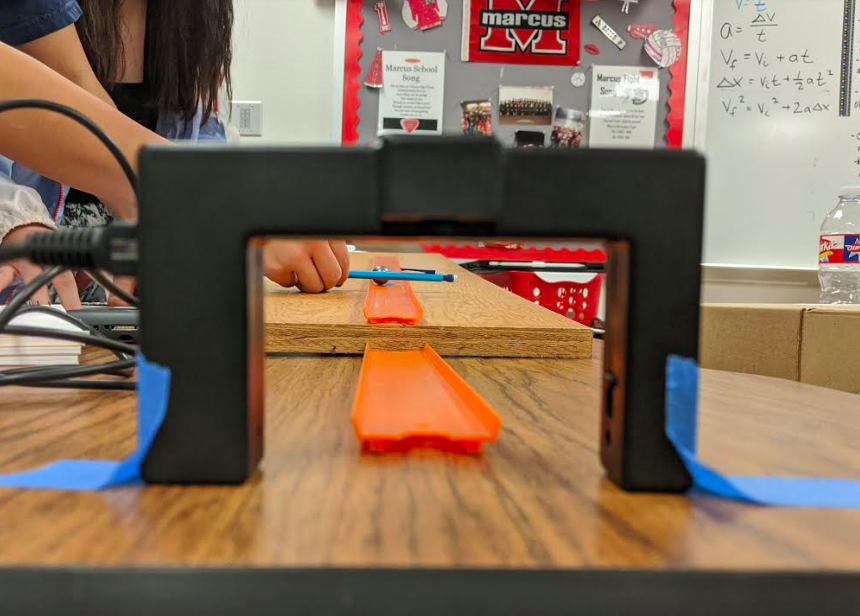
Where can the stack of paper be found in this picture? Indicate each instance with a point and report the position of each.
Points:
(31, 351)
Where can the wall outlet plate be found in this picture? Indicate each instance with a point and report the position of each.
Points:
(248, 118)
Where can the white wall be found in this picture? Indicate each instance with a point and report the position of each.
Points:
(759, 285)
(283, 57)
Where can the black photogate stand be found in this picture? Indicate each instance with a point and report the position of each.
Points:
(202, 208)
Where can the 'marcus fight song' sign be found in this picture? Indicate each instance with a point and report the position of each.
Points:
(521, 31)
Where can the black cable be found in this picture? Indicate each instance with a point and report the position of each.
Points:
(109, 284)
(56, 373)
(53, 373)
(15, 251)
(26, 292)
(50, 376)
(113, 248)
(84, 121)
(34, 375)
(38, 332)
(37, 370)
(74, 321)
(97, 385)
(14, 307)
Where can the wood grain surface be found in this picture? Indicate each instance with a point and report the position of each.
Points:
(537, 498)
(470, 317)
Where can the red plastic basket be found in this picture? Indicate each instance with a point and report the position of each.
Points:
(525, 253)
(575, 300)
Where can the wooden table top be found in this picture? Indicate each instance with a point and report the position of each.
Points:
(537, 498)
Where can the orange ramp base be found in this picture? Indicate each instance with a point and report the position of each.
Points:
(408, 399)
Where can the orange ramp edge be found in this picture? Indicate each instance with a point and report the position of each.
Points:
(409, 399)
(394, 302)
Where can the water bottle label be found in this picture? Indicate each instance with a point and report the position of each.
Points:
(839, 249)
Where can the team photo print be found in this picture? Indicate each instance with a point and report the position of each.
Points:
(477, 117)
(525, 105)
(567, 128)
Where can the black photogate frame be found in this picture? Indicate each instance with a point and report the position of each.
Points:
(204, 212)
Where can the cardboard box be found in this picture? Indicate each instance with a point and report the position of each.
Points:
(830, 349)
(814, 344)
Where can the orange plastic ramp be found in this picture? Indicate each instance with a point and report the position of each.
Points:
(409, 399)
(394, 302)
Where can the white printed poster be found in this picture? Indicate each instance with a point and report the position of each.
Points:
(624, 102)
(412, 96)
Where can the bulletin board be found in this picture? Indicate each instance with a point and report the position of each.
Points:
(474, 80)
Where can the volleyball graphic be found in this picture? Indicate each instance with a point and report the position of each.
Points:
(664, 47)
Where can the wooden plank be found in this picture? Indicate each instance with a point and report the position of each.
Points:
(537, 498)
(470, 317)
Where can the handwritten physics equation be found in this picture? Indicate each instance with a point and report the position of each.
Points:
(769, 70)
(764, 71)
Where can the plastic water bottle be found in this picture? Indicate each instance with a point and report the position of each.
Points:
(839, 251)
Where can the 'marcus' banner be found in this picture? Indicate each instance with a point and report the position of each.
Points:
(521, 31)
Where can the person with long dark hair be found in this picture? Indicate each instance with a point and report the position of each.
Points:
(163, 64)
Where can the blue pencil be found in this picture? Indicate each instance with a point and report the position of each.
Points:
(412, 277)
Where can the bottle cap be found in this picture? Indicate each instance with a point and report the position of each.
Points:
(849, 191)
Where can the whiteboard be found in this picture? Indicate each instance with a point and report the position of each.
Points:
(778, 149)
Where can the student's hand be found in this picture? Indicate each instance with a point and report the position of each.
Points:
(127, 284)
(64, 284)
(312, 266)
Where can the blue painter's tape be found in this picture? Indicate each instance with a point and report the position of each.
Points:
(682, 390)
(153, 390)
